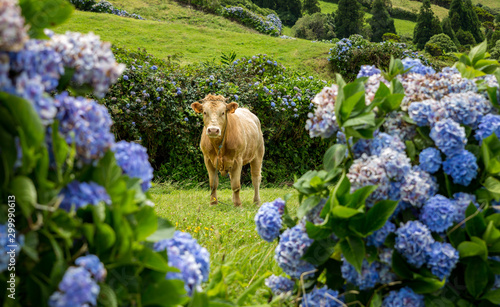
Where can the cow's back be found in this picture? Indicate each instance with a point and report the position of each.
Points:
(250, 133)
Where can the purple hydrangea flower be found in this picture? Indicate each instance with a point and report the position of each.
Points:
(448, 136)
(417, 187)
(442, 259)
(413, 240)
(322, 297)
(268, 222)
(396, 163)
(77, 288)
(85, 123)
(368, 277)
(488, 125)
(293, 244)
(13, 31)
(133, 160)
(92, 264)
(377, 239)
(404, 297)
(367, 71)
(430, 160)
(438, 213)
(190, 271)
(323, 122)
(81, 194)
(7, 246)
(462, 201)
(466, 108)
(279, 284)
(369, 170)
(383, 140)
(461, 166)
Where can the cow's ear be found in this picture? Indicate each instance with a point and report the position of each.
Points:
(197, 107)
(231, 107)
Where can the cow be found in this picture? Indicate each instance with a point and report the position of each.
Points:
(239, 132)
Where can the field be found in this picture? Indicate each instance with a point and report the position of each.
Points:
(226, 231)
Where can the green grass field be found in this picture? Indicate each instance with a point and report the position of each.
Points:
(227, 232)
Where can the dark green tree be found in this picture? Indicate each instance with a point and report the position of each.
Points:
(463, 16)
(311, 6)
(427, 26)
(448, 29)
(381, 22)
(348, 18)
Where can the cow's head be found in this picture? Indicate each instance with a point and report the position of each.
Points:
(214, 109)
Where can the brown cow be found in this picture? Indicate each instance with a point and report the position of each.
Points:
(243, 144)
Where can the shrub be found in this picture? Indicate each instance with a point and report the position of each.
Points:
(102, 6)
(153, 106)
(399, 13)
(398, 201)
(391, 37)
(495, 51)
(314, 27)
(268, 25)
(483, 15)
(433, 49)
(444, 43)
(427, 25)
(347, 56)
(380, 22)
(465, 38)
(348, 18)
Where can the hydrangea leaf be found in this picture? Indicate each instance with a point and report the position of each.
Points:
(492, 296)
(165, 230)
(25, 192)
(491, 234)
(145, 223)
(358, 198)
(495, 218)
(166, 292)
(107, 297)
(42, 14)
(475, 277)
(307, 205)
(400, 267)
(105, 237)
(365, 120)
(423, 285)
(320, 251)
(377, 216)
(153, 260)
(334, 156)
(476, 225)
(470, 249)
(353, 250)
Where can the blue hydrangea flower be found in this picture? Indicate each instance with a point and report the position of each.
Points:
(427, 112)
(438, 213)
(404, 297)
(92, 264)
(313, 215)
(81, 194)
(417, 67)
(190, 271)
(279, 284)
(370, 170)
(90, 123)
(448, 136)
(385, 255)
(396, 163)
(417, 187)
(293, 244)
(377, 239)
(488, 125)
(367, 71)
(396, 125)
(133, 160)
(383, 140)
(322, 297)
(466, 108)
(14, 32)
(268, 222)
(386, 274)
(442, 259)
(462, 201)
(361, 147)
(430, 160)
(368, 277)
(461, 166)
(77, 288)
(7, 246)
(413, 240)
(185, 244)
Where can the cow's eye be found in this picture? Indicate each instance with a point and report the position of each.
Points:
(205, 113)
(222, 113)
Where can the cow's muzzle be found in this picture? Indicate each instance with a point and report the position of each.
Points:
(213, 132)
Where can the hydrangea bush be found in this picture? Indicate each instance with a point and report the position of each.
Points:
(271, 24)
(406, 204)
(102, 6)
(80, 228)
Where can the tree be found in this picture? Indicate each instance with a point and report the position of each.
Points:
(427, 26)
(314, 27)
(348, 18)
(448, 30)
(311, 6)
(381, 22)
(463, 16)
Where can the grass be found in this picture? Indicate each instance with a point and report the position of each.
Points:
(227, 232)
(414, 6)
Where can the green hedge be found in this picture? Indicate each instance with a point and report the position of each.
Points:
(152, 104)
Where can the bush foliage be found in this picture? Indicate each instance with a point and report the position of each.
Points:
(444, 42)
(315, 27)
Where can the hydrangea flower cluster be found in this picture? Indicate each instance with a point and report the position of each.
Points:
(415, 66)
(324, 122)
(368, 277)
(462, 201)
(322, 297)
(442, 259)
(430, 160)
(269, 25)
(368, 70)
(7, 247)
(12, 30)
(268, 221)
(413, 240)
(488, 125)
(133, 160)
(189, 257)
(438, 213)
(403, 297)
(279, 284)
(377, 239)
(80, 194)
(396, 125)
(462, 167)
(79, 284)
(293, 245)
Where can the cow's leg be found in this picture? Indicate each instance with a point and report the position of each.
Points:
(235, 183)
(256, 166)
(213, 179)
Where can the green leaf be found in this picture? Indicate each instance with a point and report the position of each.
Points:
(154, 261)
(492, 184)
(424, 285)
(363, 119)
(146, 223)
(376, 301)
(495, 218)
(25, 192)
(334, 156)
(470, 249)
(344, 212)
(491, 234)
(477, 53)
(353, 250)
(400, 267)
(354, 96)
(358, 198)
(475, 226)
(164, 230)
(42, 14)
(105, 237)
(476, 277)
(307, 205)
(107, 296)
(252, 289)
(320, 251)
(166, 292)
(377, 216)
(492, 296)
(410, 150)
